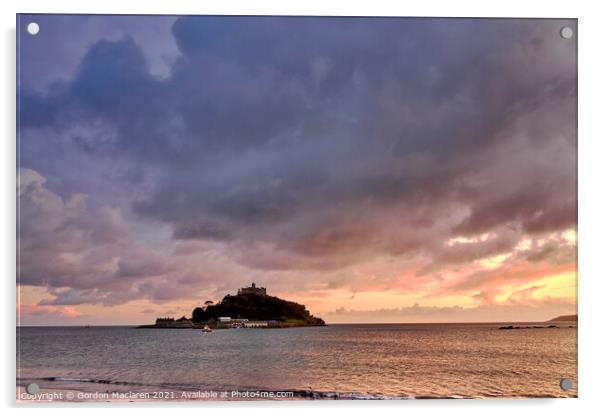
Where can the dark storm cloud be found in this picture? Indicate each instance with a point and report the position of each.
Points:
(327, 141)
(64, 39)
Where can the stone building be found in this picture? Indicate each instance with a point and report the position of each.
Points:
(252, 290)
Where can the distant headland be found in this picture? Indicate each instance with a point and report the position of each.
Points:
(564, 318)
(251, 307)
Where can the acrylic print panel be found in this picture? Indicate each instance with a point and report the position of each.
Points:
(275, 208)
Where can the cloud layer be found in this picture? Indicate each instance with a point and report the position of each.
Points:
(299, 149)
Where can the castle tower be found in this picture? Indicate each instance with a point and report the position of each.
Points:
(252, 290)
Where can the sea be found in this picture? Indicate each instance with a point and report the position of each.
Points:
(353, 361)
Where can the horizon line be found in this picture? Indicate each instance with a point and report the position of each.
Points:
(333, 323)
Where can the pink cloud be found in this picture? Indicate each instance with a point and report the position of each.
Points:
(32, 310)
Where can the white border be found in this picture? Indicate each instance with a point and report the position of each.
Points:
(590, 175)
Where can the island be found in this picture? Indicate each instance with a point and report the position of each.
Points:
(251, 307)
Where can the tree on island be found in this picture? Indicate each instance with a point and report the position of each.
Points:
(198, 315)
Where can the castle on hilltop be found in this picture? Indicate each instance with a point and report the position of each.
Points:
(252, 290)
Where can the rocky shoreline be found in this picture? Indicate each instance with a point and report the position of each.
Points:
(532, 327)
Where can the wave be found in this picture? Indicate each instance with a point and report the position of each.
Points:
(334, 395)
(97, 381)
(296, 393)
(91, 380)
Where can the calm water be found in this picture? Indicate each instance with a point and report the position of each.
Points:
(401, 360)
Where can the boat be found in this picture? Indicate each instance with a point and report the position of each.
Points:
(207, 329)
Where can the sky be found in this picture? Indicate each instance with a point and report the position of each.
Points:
(373, 169)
